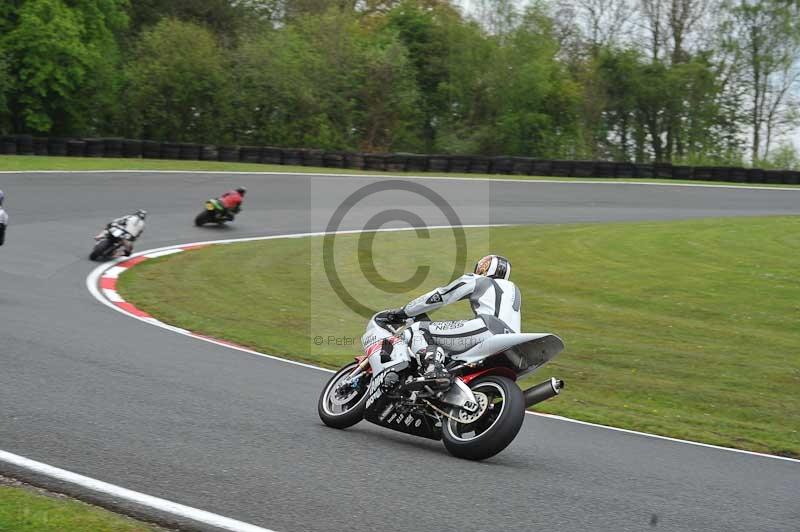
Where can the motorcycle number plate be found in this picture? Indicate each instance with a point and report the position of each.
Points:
(210, 206)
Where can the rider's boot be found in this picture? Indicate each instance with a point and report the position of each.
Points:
(432, 359)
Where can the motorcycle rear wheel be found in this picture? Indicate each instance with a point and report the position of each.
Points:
(503, 411)
(203, 218)
(345, 410)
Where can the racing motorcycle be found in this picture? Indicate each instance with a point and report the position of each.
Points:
(477, 409)
(214, 213)
(109, 242)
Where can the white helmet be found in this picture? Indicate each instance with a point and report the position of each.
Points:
(493, 266)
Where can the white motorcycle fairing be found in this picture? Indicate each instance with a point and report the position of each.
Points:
(525, 351)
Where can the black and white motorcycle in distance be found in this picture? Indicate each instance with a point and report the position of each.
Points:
(477, 413)
(109, 242)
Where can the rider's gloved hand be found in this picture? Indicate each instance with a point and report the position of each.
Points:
(394, 315)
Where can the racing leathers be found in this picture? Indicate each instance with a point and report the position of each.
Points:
(495, 303)
(231, 201)
(133, 225)
(3, 225)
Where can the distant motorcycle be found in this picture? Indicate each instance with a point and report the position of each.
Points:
(214, 213)
(109, 242)
(477, 411)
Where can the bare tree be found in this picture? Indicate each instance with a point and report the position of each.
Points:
(682, 18)
(604, 22)
(765, 38)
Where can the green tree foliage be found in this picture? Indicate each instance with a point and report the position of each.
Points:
(224, 17)
(177, 84)
(534, 102)
(672, 82)
(426, 36)
(61, 56)
(659, 111)
(322, 81)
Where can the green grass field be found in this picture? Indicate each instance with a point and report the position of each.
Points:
(18, 163)
(23, 509)
(688, 329)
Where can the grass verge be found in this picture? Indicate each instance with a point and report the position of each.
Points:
(24, 508)
(20, 163)
(687, 329)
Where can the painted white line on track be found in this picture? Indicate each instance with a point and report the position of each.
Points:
(102, 271)
(149, 501)
(571, 181)
(659, 437)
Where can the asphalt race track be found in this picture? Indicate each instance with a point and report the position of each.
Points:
(89, 390)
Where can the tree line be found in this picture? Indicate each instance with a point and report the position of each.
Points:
(686, 81)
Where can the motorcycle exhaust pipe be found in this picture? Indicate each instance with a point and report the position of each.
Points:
(543, 392)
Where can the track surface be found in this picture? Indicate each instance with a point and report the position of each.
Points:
(94, 392)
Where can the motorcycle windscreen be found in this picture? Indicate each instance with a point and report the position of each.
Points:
(525, 351)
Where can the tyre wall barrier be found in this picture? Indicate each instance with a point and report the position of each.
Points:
(76, 148)
(209, 152)
(269, 155)
(151, 149)
(333, 160)
(190, 152)
(249, 154)
(439, 163)
(387, 162)
(229, 154)
(8, 145)
(502, 165)
(131, 148)
(95, 148)
(292, 157)
(170, 150)
(354, 161)
(24, 145)
(313, 158)
(57, 146)
(40, 146)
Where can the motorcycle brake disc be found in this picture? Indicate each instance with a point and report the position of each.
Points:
(341, 397)
(471, 417)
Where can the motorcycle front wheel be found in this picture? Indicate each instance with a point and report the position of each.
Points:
(340, 404)
(501, 411)
(102, 249)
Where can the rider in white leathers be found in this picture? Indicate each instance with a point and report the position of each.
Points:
(495, 301)
(3, 219)
(133, 225)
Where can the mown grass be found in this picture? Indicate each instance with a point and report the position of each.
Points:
(24, 510)
(20, 163)
(688, 329)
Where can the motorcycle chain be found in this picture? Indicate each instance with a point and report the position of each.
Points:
(442, 412)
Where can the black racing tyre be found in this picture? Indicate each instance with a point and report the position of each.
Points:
(203, 218)
(345, 409)
(499, 418)
(101, 249)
